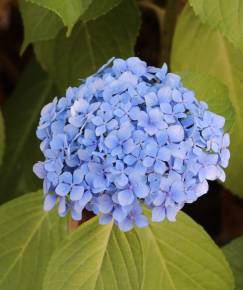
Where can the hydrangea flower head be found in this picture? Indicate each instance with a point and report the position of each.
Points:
(129, 135)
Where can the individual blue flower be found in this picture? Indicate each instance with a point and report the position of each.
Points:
(151, 121)
(71, 183)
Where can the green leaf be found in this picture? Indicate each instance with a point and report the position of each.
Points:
(28, 238)
(90, 45)
(2, 138)
(98, 8)
(233, 252)
(39, 23)
(68, 10)
(224, 15)
(96, 257)
(213, 92)
(181, 256)
(197, 47)
(22, 112)
(174, 256)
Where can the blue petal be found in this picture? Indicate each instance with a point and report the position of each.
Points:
(126, 225)
(158, 214)
(97, 120)
(76, 192)
(39, 170)
(87, 196)
(105, 204)
(62, 208)
(76, 215)
(78, 176)
(105, 219)
(171, 212)
(141, 221)
(63, 189)
(111, 140)
(125, 197)
(119, 214)
(160, 167)
(50, 201)
(122, 180)
(148, 161)
(151, 99)
(66, 177)
(175, 133)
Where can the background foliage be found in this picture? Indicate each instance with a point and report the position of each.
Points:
(68, 40)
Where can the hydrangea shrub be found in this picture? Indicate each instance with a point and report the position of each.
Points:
(130, 135)
(122, 148)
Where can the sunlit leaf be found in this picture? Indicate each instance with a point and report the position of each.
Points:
(96, 257)
(28, 237)
(233, 252)
(181, 256)
(213, 92)
(224, 15)
(197, 47)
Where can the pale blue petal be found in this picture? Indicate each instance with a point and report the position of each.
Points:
(76, 192)
(63, 189)
(50, 201)
(158, 214)
(105, 219)
(126, 225)
(141, 221)
(148, 161)
(78, 176)
(105, 204)
(125, 197)
(175, 133)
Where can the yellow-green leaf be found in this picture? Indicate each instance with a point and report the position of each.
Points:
(211, 91)
(234, 254)
(28, 237)
(96, 257)
(197, 47)
(224, 15)
(181, 256)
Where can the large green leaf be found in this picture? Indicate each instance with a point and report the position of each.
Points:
(96, 257)
(225, 15)
(197, 47)
(21, 113)
(2, 138)
(234, 254)
(181, 256)
(174, 256)
(42, 24)
(213, 92)
(90, 45)
(68, 10)
(39, 23)
(28, 237)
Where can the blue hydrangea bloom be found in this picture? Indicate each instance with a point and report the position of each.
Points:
(129, 135)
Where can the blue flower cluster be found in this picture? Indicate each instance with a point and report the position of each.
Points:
(131, 134)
